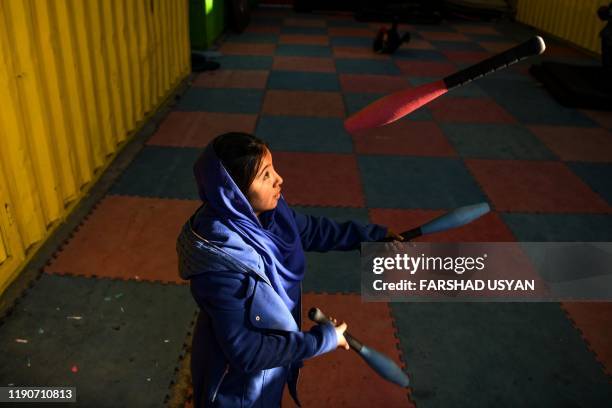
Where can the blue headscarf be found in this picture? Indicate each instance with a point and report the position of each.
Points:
(270, 243)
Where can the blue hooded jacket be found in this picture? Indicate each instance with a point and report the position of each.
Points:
(245, 273)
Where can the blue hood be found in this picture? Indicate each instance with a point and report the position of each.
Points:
(225, 230)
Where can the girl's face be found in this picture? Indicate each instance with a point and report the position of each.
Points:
(265, 189)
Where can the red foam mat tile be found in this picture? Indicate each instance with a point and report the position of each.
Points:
(426, 68)
(127, 238)
(308, 64)
(269, 29)
(196, 129)
(404, 137)
(604, 118)
(244, 79)
(351, 32)
(320, 179)
(382, 84)
(235, 48)
(466, 56)
(341, 51)
(341, 378)
(303, 39)
(594, 320)
(304, 22)
(418, 44)
(303, 103)
(534, 186)
(469, 110)
(576, 143)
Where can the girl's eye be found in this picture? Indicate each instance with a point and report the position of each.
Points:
(266, 175)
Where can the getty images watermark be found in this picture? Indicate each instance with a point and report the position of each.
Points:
(505, 271)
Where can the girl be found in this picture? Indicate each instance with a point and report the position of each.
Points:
(243, 252)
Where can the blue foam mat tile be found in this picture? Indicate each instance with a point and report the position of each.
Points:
(304, 30)
(125, 345)
(417, 182)
(163, 172)
(221, 100)
(597, 175)
(307, 81)
(249, 37)
(493, 141)
(366, 66)
(346, 23)
(266, 20)
(304, 134)
(487, 38)
(303, 50)
(354, 102)
(471, 90)
(250, 62)
(332, 272)
(530, 103)
(497, 354)
(560, 227)
(351, 41)
(419, 55)
(437, 28)
(456, 45)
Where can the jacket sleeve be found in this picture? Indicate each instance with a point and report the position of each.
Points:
(323, 234)
(224, 297)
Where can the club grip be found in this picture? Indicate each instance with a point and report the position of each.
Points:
(533, 46)
(316, 315)
(408, 235)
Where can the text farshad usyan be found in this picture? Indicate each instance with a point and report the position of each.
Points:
(455, 284)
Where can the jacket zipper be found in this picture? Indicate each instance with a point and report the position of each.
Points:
(219, 384)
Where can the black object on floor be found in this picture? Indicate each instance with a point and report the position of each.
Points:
(576, 86)
(199, 63)
(389, 40)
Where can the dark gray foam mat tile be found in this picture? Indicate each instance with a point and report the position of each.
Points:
(125, 346)
(332, 272)
(560, 227)
(161, 172)
(497, 354)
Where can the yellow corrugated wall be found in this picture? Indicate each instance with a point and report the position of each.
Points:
(77, 79)
(573, 20)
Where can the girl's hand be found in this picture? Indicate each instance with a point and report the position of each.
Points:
(340, 333)
(394, 235)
